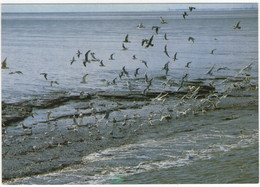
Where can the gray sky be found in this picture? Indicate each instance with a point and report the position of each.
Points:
(113, 7)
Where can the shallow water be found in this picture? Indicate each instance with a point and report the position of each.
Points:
(135, 145)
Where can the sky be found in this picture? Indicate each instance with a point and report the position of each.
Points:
(108, 7)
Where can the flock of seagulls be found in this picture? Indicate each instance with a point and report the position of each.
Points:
(90, 56)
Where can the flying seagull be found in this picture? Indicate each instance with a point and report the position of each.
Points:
(144, 62)
(124, 48)
(165, 37)
(212, 52)
(191, 39)
(184, 15)
(78, 53)
(191, 8)
(126, 39)
(187, 65)
(175, 57)
(156, 29)
(139, 26)
(166, 67)
(144, 41)
(136, 71)
(16, 72)
(124, 71)
(162, 21)
(165, 51)
(54, 82)
(45, 75)
(84, 78)
(209, 72)
(134, 57)
(4, 64)
(86, 58)
(101, 64)
(111, 56)
(150, 42)
(73, 60)
(237, 26)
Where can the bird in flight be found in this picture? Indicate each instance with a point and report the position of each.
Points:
(144, 41)
(54, 82)
(149, 42)
(165, 37)
(124, 48)
(184, 15)
(187, 65)
(209, 72)
(191, 8)
(45, 75)
(144, 62)
(86, 58)
(139, 26)
(175, 57)
(126, 39)
(191, 39)
(134, 57)
(4, 64)
(73, 60)
(162, 21)
(165, 51)
(156, 29)
(101, 64)
(136, 71)
(16, 72)
(237, 26)
(212, 52)
(78, 53)
(84, 78)
(111, 56)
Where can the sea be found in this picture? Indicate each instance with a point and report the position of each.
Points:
(36, 43)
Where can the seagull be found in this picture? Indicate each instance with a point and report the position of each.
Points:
(45, 75)
(86, 58)
(175, 57)
(237, 26)
(209, 72)
(139, 26)
(126, 39)
(162, 21)
(4, 64)
(101, 64)
(144, 41)
(146, 78)
(159, 97)
(111, 56)
(223, 68)
(78, 53)
(184, 14)
(165, 51)
(134, 57)
(124, 71)
(156, 29)
(191, 39)
(73, 60)
(149, 83)
(165, 37)
(94, 59)
(114, 81)
(144, 62)
(212, 52)
(136, 71)
(54, 82)
(48, 115)
(130, 86)
(149, 42)
(16, 72)
(184, 77)
(191, 8)
(187, 65)
(166, 67)
(124, 48)
(84, 78)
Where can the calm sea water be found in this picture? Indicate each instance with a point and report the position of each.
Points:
(37, 43)
(46, 42)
